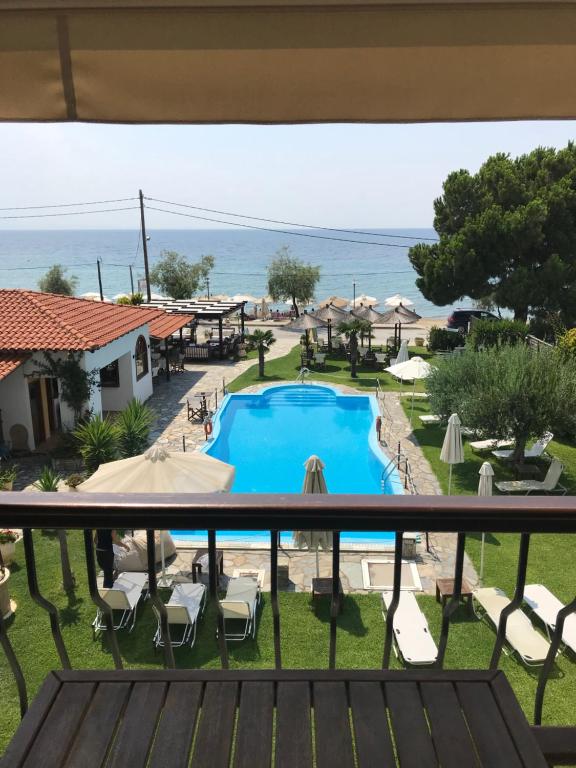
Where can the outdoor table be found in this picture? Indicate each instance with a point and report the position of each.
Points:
(287, 718)
(323, 586)
(445, 589)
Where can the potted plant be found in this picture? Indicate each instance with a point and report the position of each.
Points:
(8, 541)
(7, 477)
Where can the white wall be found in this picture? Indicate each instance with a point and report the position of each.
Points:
(15, 404)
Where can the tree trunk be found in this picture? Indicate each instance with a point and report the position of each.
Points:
(521, 313)
(295, 306)
(353, 355)
(68, 580)
(261, 361)
(518, 454)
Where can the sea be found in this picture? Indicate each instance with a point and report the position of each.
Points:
(372, 262)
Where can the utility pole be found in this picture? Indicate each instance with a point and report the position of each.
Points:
(144, 246)
(131, 280)
(100, 280)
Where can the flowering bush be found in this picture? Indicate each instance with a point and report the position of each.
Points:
(7, 536)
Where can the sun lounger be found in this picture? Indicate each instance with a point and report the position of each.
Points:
(430, 418)
(532, 453)
(184, 608)
(413, 639)
(241, 604)
(123, 596)
(489, 444)
(550, 483)
(415, 395)
(521, 635)
(546, 606)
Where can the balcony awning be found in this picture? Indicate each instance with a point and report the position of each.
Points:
(286, 61)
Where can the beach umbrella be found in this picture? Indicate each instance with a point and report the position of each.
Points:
(331, 314)
(248, 298)
(401, 315)
(161, 471)
(397, 299)
(306, 322)
(337, 301)
(369, 301)
(452, 449)
(413, 369)
(158, 297)
(403, 354)
(264, 310)
(314, 482)
(484, 489)
(370, 315)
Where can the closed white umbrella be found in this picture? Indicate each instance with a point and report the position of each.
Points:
(403, 354)
(397, 299)
(452, 449)
(264, 309)
(484, 489)
(161, 471)
(314, 482)
(413, 369)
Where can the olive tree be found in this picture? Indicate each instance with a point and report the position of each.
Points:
(179, 278)
(507, 392)
(292, 279)
(55, 281)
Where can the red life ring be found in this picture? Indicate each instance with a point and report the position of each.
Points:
(207, 428)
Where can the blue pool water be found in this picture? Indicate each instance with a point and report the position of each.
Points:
(268, 436)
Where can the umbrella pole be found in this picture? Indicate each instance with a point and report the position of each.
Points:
(317, 564)
(412, 405)
(163, 560)
(482, 558)
(450, 480)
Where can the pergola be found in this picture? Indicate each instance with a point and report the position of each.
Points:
(215, 311)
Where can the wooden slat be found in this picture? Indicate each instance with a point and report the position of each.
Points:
(32, 722)
(332, 726)
(254, 734)
(491, 738)
(449, 730)
(517, 724)
(293, 727)
(60, 726)
(137, 728)
(176, 729)
(413, 740)
(96, 733)
(557, 743)
(371, 731)
(215, 732)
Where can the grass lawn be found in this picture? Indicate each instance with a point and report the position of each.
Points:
(337, 371)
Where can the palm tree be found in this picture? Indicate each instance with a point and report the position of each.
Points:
(262, 340)
(351, 329)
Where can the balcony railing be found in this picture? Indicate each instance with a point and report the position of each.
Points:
(275, 513)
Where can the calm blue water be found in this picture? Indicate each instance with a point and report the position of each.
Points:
(241, 260)
(269, 436)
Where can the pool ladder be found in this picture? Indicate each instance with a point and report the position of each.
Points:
(401, 463)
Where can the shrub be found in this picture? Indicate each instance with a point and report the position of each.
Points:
(547, 327)
(133, 426)
(496, 333)
(48, 480)
(567, 343)
(133, 299)
(98, 440)
(442, 339)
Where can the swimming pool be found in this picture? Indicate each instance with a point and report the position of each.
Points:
(269, 435)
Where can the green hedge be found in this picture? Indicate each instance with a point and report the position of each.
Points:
(496, 333)
(442, 339)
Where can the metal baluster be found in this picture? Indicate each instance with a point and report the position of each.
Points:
(452, 604)
(101, 604)
(395, 599)
(516, 600)
(335, 603)
(169, 662)
(274, 596)
(550, 657)
(14, 666)
(42, 602)
(214, 578)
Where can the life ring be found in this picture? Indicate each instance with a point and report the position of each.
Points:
(207, 428)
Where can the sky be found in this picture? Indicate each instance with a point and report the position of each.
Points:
(328, 175)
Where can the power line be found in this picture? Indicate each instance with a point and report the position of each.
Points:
(291, 223)
(278, 231)
(69, 213)
(67, 205)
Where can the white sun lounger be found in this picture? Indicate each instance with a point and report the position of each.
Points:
(413, 639)
(123, 596)
(490, 444)
(532, 453)
(241, 604)
(546, 606)
(521, 635)
(184, 608)
(550, 484)
(430, 418)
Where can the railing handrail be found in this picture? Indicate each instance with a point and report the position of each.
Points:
(73, 510)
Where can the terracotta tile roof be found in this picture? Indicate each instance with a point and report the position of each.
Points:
(30, 320)
(164, 324)
(9, 363)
